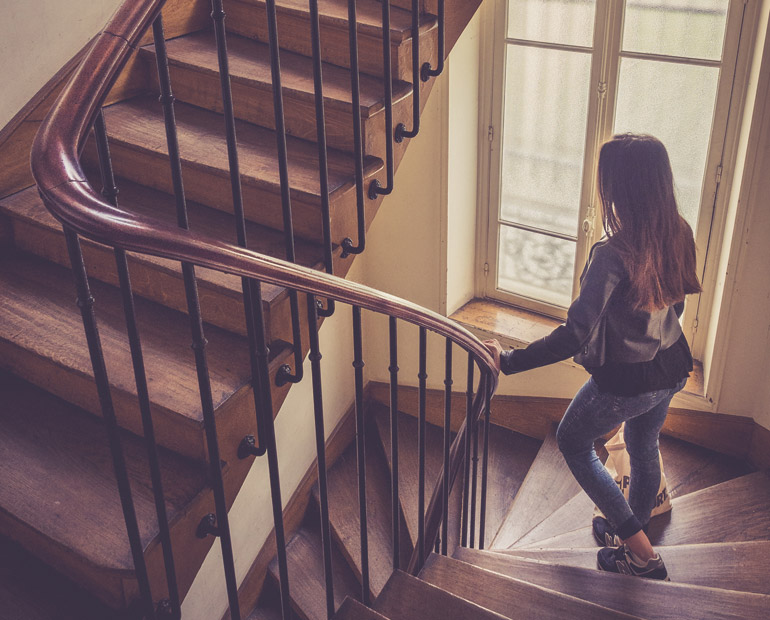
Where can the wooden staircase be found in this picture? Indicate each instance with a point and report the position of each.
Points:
(550, 577)
(63, 548)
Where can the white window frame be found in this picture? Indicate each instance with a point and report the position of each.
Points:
(739, 37)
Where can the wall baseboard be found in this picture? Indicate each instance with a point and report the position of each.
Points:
(533, 416)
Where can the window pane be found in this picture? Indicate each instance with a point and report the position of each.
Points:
(569, 22)
(690, 28)
(546, 106)
(675, 103)
(535, 266)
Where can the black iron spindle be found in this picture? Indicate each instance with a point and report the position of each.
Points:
(284, 374)
(85, 302)
(110, 193)
(467, 459)
(358, 143)
(427, 71)
(358, 365)
(320, 444)
(323, 160)
(447, 441)
(473, 437)
(484, 462)
(375, 188)
(395, 515)
(422, 376)
(401, 130)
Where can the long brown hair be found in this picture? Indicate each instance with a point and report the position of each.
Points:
(642, 220)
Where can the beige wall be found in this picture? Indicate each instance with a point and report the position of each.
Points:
(34, 45)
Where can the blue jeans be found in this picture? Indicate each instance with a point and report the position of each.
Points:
(592, 414)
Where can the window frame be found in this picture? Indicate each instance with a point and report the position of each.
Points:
(604, 75)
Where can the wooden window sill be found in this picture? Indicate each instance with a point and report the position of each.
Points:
(515, 327)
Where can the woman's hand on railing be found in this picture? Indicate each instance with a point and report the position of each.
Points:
(495, 349)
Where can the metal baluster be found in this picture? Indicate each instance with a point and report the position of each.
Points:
(323, 163)
(110, 192)
(320, 444)
(358, 143)
(401, 130)
(422, 376)
(447, 437)
(427, 72)
(85, 302)
(284, 374)
(467, 460)
(485, 458)
(473, 437)
(358, 364)
(395, 502)
(376, 189)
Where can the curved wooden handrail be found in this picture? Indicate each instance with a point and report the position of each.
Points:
(66, 192)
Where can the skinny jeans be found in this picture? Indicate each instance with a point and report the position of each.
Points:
(592, 414)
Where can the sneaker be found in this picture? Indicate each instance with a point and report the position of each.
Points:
(622, 560)
(605, 534)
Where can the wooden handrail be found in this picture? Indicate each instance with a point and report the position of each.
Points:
(68, 195)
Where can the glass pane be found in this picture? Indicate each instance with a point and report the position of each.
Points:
(675, 103)
(690, 28)
(535, 266)
(546, 107)
(569, 22)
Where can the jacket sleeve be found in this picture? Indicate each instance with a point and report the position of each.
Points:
(599, 280)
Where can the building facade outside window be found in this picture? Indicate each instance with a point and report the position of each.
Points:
(564, 76)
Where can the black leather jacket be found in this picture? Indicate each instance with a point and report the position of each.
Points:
(601, 326)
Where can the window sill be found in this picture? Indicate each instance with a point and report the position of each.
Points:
(515, 327)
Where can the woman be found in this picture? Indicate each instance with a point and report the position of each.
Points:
(624, 329)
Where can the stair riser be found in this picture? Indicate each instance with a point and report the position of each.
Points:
(254, 103)
(294, 35)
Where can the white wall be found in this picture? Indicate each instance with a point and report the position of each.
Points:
(34, 45)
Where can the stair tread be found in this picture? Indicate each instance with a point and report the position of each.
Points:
(408, 468)
(345, 518)
(734, 511)
(28, 206)
(737, 566)
(688, 468)
(138, 124)
(511, 454)
(249, 63)
(353, 610)
(307, 587)
(40, 321)
(548, 484)
(409, 598)
(55, 460)
(369, 16)
(31, 590)
(510, 597)
(650, 599)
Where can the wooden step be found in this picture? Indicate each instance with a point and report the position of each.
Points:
(688, 468)
(643, 597)
(353, 610)
(246, 17)
(345, 518)
(42, 339)
(32, 590)
(511, 454)
(35, 230)
(409, 598)
(511, 598)
(194, 68)
(548, 485)
(734, 511)
(408, 471)
(307, 586)
(139, 152)
(732, 566)
(59, 496)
